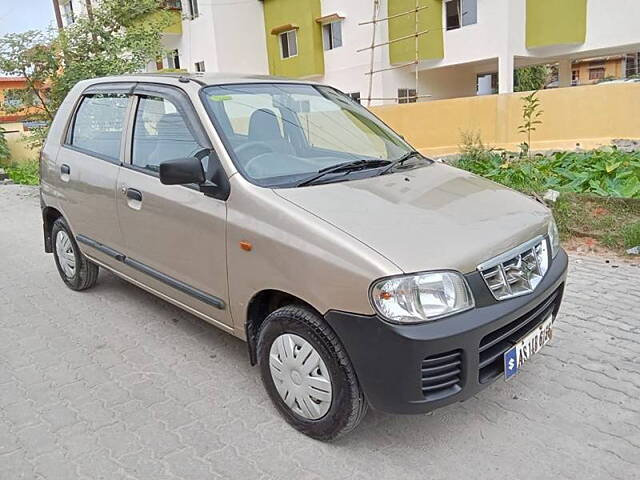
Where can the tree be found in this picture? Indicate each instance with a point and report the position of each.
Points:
(534, 77)
(531, 114)
(117, 38)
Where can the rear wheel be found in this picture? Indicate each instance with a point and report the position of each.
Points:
(308, 374)
(77, 272)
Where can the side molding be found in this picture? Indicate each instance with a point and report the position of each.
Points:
(152, 272)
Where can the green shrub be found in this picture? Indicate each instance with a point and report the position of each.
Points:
(25, 173)
(607, 172)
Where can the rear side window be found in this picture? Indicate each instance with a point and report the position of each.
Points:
(97, 127)
(160, 133)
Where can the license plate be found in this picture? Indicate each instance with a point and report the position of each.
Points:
(526, 347)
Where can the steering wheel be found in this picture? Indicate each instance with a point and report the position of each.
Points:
(255, 145)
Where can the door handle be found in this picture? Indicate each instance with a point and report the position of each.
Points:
(133, 194)
(65, 169)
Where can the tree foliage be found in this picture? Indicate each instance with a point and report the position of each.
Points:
(4, 148)
(116, 38)
(534, 77)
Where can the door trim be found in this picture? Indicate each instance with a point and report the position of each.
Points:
(152, 272)
(165, 297)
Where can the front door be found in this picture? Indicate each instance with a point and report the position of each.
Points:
(174, 235)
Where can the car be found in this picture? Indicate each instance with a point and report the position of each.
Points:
(359, 272)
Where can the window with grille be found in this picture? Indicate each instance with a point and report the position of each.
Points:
(200, 66)
(596, 73)
(632, 65)
(407, 95)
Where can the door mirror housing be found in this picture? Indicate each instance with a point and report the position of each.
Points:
(187, 171)
(181, 171)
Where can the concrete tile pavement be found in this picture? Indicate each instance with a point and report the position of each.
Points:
(114, 383)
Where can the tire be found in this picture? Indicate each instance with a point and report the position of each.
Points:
(76, 271)
(287, 331)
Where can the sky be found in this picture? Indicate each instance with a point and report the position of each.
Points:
(20, 15)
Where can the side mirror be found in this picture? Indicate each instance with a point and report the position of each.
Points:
(182, 171)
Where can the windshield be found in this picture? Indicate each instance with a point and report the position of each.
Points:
(279, 134)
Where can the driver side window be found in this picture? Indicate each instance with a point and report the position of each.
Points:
(160, 133)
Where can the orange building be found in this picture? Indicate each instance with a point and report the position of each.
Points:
(12, 118)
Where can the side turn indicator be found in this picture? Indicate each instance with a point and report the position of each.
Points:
(246, 246)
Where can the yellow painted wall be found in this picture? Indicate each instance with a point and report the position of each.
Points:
(430, 44)
(302, 13)
(589, 115)
(554, 22)
(14, 133)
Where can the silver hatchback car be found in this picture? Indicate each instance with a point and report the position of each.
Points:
(358, 271)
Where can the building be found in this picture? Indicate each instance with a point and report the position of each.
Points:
(423, 48)
(13, 116)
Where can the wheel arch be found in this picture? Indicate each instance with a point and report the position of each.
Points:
(260, 306)
(49, 215)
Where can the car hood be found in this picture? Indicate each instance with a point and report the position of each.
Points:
(431, 217)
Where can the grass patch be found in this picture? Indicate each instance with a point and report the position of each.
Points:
(600, 189)
(27, 173)
(614, 222)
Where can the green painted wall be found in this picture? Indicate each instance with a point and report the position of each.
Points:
(554, 22)
(430, 45)
(310, 58)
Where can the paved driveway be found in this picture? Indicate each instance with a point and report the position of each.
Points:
(116, 384)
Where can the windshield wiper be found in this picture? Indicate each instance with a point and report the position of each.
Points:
(400, 161)
(343, 167)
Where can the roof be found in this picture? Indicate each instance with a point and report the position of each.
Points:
(13, 79)
(205, 78)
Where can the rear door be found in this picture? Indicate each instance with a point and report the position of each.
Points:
(88, 164)
(175, 236)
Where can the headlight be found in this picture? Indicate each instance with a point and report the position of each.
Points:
(554, 237)
(421, 297)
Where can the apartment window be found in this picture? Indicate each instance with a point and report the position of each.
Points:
(487, 84)
(289, 44)
(596, 73)
(200, 66)
(67, 12)
(355, 96)
(173, 60)
(461, 13)
(407, 95)
(194, 9)
(13, 98)
(173, 4)
(332, 35)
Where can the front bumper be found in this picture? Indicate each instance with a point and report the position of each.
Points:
(417, 368)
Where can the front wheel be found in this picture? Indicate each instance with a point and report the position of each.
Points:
(308, 375)
(77, 271)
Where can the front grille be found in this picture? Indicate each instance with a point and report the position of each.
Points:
(442, 375)
(495, 344)
(518, 271)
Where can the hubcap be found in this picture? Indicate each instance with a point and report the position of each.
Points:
(300, 376)
(66, 257)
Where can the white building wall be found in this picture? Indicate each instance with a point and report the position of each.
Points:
(227, 36)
